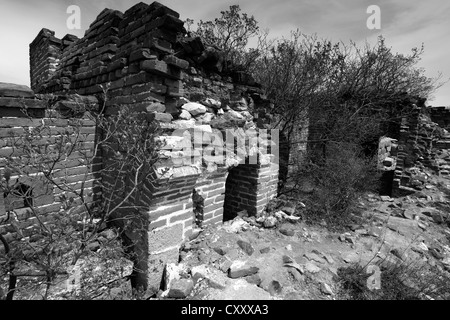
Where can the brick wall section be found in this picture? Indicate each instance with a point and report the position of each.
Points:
(45, 198)
(422, 143)
(45, 53)
(213, 192)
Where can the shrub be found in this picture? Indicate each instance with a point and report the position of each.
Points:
(337, 181)
(399, 281)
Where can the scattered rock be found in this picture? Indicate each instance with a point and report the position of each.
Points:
(446, 261)
(270, 222)
(293, 296)
(421, 246)
(172, 272)
(264, 250)
(93, 246)
(325, 288)
(311, 267)
(396, 252)
(287, 230)
(246, 247)
(212, 103)
(386, 199)
(292, 219)
(315, 257)
(296, 266)
(328, 258)
(215, 278)
(296, 274)
(232, 254)
(235, 226)
(239, 269)
(181, 288)
(408, 215)
(437, 217)
(185, 115)
(288, 247)
(221, 249)
(242, 213)
(333, 270)
(274, 287)
(288, 210)
(254, 279)
(287, 259)
(437, 253)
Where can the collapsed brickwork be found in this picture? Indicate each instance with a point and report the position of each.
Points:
(142, 59)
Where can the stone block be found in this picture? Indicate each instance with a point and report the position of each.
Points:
(155, 268)
(15, 90)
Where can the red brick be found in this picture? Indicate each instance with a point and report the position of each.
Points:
(215, 192)
(207, 216)
(219, 198)
(218, 212)
(212, 207)
(217, 186)
(183, 216)
(155, 213)
(213, 221)
(157, 224)
(187, 233)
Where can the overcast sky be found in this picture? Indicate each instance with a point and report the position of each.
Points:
(404, 23)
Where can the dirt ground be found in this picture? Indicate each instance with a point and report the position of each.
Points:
(285, 258)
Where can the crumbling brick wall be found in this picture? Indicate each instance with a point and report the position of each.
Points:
(143, 59)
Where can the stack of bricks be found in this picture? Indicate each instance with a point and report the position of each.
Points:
(20, 111)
